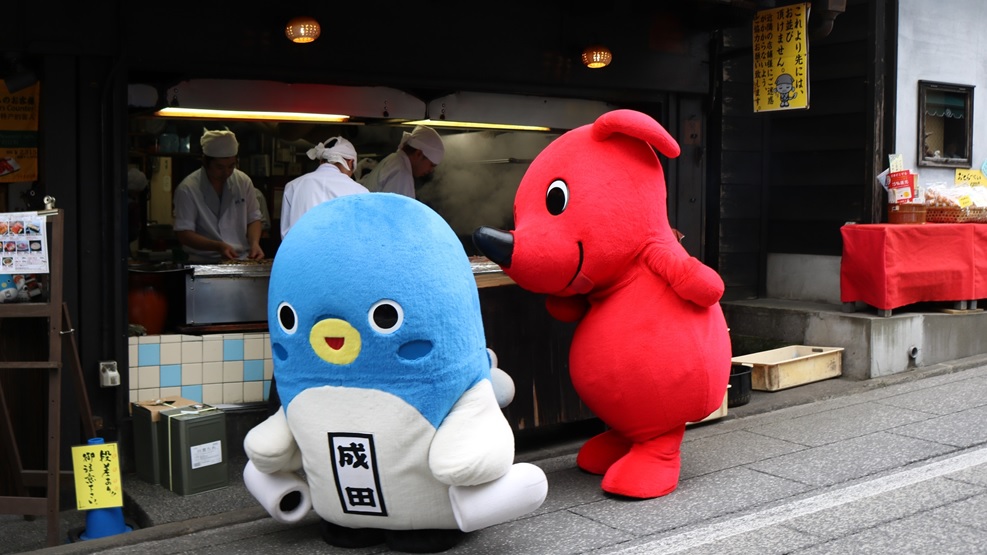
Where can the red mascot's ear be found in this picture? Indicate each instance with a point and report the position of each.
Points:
(637, 125)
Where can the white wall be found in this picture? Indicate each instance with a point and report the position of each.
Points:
(939, 41)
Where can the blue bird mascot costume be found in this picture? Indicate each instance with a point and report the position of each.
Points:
(391, 426)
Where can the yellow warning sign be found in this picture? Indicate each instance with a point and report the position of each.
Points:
(781, 58)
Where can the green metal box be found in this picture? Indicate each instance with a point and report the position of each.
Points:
(192, 441)
(147, 452)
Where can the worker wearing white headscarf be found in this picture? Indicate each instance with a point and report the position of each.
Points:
(217, 216)
(331, 179)
(417, 156)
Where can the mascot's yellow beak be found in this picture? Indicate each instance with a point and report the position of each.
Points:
(335, 341)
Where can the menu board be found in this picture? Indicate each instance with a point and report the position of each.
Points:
(24, 243)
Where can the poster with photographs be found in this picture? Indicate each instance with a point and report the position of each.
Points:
(24, 243)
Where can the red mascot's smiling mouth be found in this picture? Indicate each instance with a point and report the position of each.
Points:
(579, 283)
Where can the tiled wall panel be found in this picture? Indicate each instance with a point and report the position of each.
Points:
(231, 368)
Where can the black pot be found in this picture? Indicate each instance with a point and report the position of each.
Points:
(739, 393)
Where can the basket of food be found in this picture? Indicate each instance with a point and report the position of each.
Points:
(956, 204)
(955, 214)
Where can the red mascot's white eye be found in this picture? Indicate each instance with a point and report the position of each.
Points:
(557, 197)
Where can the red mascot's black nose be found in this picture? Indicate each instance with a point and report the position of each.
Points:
(495, 244)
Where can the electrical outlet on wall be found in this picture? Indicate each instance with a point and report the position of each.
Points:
(109, 376)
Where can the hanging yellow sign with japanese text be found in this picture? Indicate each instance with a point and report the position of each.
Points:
(19, 134)
(781, 58)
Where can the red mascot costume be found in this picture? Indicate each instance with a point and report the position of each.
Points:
(651, 351)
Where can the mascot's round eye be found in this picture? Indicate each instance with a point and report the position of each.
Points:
(386, 316)
(287, 318)
(557, 197)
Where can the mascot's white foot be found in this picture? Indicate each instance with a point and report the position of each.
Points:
(284, 495)
(520, 491)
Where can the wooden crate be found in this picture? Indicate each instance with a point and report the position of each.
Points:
(791, 366)
(716, 414)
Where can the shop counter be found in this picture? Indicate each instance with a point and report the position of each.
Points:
(888, 266)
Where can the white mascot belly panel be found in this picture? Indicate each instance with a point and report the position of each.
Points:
(378, 475)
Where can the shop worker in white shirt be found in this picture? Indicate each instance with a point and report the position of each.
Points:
(217, 216)
(417, 155)
(331, 179)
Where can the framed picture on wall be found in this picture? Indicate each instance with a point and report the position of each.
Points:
(945, 125)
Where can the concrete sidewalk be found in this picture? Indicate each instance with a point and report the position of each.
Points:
(895, 464)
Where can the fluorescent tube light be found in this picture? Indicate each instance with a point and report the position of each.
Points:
(476, 125)
(176, 112)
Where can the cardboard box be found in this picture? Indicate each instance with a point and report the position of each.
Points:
(146, 415)
(193, 442)
(791, 366)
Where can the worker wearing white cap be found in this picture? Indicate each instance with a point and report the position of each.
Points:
(417, 156)
(217, 215)
(331, 179)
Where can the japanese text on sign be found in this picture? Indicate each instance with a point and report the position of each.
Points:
(781, 58)
(354, 467)
(97, 476)
(23, 243)
(19, 134)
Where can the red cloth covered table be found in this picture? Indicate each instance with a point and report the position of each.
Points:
(893, 265)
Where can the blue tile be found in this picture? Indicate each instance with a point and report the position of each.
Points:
(192, 393)
(253, 370)
(232, 349)
(149, 354)
(171, 375)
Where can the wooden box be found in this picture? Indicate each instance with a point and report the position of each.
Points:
(791, 366)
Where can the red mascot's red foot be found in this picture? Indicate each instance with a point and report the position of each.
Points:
(651, 351)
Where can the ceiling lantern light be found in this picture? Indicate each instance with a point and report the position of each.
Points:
(302, 29)
(597, 56)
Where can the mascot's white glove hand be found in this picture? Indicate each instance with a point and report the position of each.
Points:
(271, 446)
(503, 384)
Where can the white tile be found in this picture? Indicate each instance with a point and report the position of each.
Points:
(233, 371)
(232, 336)
(192, 373)
(145, 339)
(253, 392)
(171, 353)
(132, 340)
(148, 394)
(170, 391)
(268, 368)
(148, 377)
(212, 372)
(132, 351)
(212, 393)
(134, 396)
(253, 348)
(233, 392)
(191, 351)
(212, 351)
(132, 374)
(171, 338)
(268, 353)
(191, 338)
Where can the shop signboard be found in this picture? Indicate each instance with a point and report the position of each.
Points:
(19, 134)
